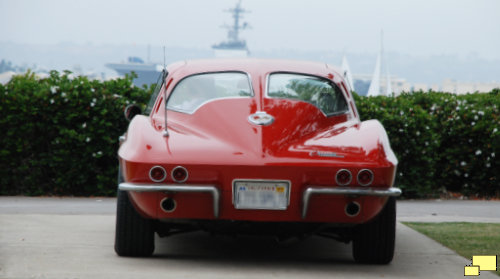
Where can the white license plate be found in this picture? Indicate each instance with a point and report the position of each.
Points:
(261, 194)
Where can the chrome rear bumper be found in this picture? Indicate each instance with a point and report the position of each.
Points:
(358, 191)
(174, 188)
(311, 190)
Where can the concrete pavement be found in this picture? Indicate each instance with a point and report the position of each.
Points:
(449, 211)
(407, 210)
(73, 238)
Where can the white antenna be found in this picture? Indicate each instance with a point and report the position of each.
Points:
(164, 59)
(164, 76)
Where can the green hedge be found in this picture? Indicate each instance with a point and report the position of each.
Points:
(60, 137)
(60, 134)
(444, 142)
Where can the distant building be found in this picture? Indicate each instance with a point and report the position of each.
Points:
(398, 85)
(435, 87)
(420, 87)
(458, 87)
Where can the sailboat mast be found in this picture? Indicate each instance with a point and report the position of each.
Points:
(388, 86)
(374, 89)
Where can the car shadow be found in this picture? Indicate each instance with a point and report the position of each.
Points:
(250, 250)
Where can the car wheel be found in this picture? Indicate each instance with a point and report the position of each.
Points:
(374, 241)
(134, 235)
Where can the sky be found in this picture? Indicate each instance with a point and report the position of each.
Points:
(423, 27)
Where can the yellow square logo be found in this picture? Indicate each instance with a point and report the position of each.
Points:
(485, 262)
(471, 270)
(480, 263)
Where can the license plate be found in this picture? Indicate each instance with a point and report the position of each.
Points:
(261, 194)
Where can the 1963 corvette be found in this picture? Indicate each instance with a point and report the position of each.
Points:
(254, 146)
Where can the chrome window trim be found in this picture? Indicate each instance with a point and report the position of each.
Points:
(249, 78)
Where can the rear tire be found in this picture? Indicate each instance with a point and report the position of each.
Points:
(134, 235)
(373, 242)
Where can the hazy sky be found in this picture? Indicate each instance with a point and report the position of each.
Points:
(423, 27)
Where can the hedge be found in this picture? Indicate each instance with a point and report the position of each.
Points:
(444, 142)
(60, 136)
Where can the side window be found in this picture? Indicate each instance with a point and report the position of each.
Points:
(196, 90)
(322, 93)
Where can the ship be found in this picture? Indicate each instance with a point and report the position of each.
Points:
(233, 46)
(147, 73)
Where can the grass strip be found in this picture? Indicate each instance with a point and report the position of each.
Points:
(467, 239)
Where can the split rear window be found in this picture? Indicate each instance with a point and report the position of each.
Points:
(322, 93)
(194, 91)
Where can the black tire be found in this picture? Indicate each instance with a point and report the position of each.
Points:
(134, 235)
(373, 242)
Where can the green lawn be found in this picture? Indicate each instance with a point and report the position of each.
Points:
(467, 239)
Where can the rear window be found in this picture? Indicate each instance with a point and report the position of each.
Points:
(194, 91)
(320, 92)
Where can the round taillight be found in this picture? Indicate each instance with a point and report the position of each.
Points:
(343, 177)
(365, 177)
(157, 174)
(179, 174)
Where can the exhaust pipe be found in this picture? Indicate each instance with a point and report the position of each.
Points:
(168, 204)
(352, 209)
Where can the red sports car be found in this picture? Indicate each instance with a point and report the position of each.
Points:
(252, 146)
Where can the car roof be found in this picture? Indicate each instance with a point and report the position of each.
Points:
(251, 65)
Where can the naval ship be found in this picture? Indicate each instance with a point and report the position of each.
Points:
(148, 73)
(234, 46)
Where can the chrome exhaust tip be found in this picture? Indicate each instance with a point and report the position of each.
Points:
(168, 204)
(352, 209)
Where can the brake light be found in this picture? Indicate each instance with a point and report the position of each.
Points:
(343, 177)
(157, 174)
(179, 174)
(365, 177)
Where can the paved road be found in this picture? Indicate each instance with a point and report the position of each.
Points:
(449, 211)
(408, 210)
(73, 238)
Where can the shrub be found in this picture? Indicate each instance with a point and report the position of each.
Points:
(444, 142)
(60, 134)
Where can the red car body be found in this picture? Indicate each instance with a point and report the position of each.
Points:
(211, 155)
